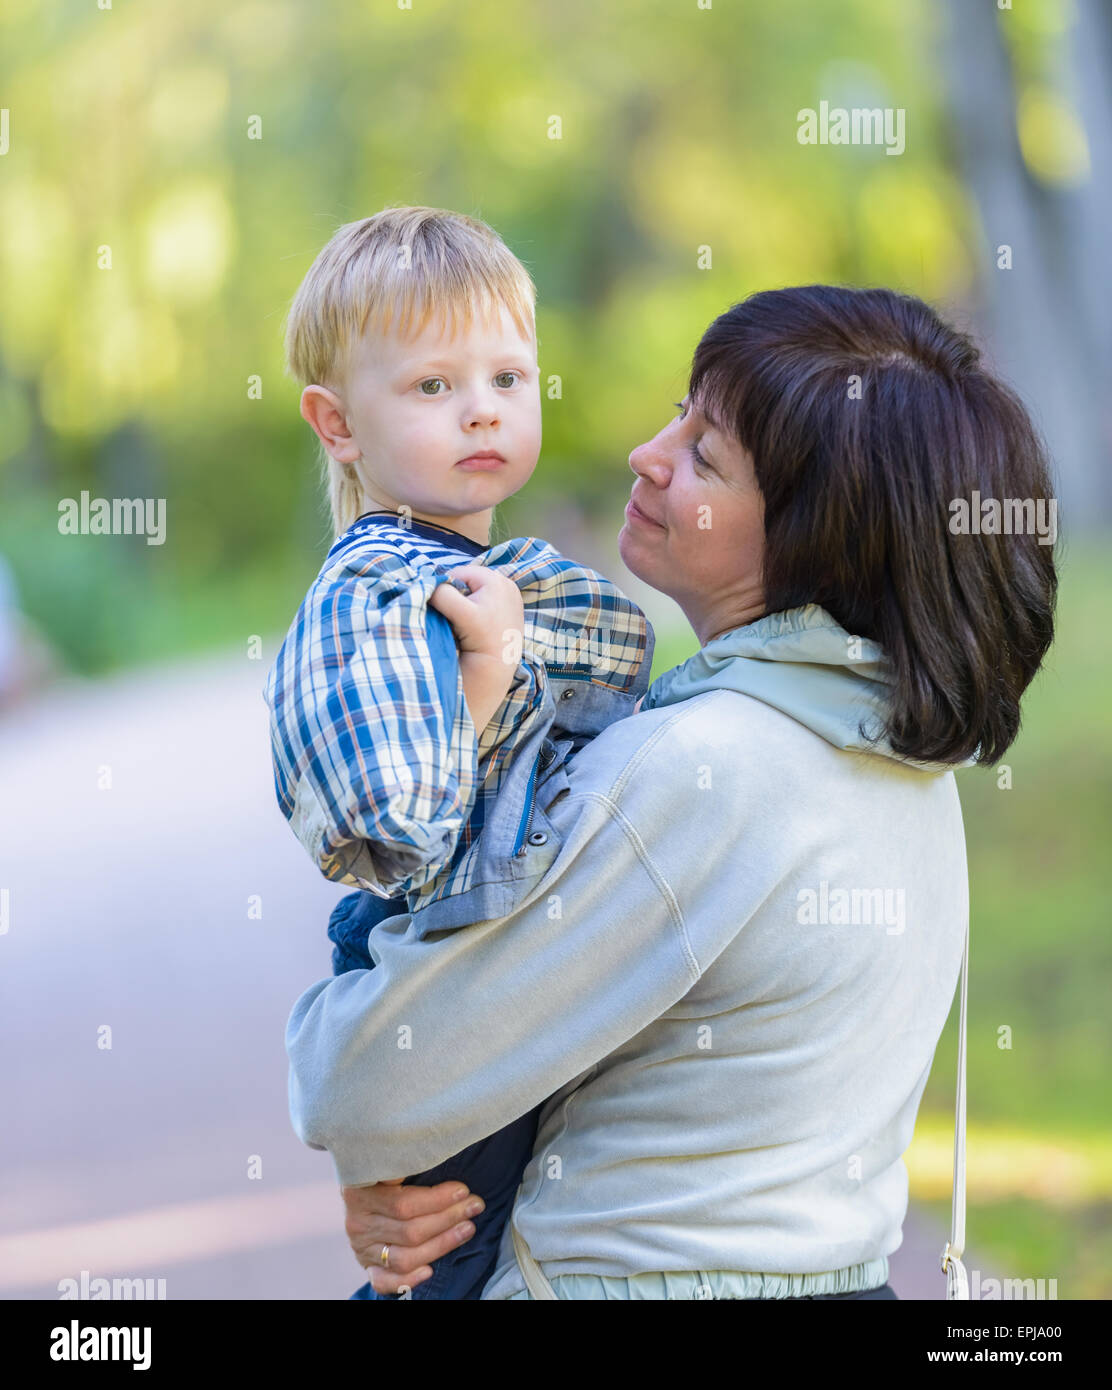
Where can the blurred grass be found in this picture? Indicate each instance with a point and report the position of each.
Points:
(111, 602)
(1039, 1142)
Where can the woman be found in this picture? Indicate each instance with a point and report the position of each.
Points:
(731, 983)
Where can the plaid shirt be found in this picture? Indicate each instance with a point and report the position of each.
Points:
(376, 763)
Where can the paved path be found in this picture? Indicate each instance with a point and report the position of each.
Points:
(138, 822)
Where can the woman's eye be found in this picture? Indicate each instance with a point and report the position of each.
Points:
(693, 448)
(430, 381)
(697, 456)
(512, 375)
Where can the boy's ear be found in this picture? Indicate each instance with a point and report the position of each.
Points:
(324, 411)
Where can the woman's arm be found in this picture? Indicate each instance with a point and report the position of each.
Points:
(395, 1069)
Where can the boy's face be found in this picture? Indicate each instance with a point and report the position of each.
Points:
(411, 412)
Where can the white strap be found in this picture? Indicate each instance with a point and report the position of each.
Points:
(535, 1281)
(957, 1281)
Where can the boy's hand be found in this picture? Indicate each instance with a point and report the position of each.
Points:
(484, 619)
(489, 627)
(419, 1224)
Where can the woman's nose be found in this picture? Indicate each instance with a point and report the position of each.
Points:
(650, 460)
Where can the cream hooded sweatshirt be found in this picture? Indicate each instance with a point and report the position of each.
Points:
(730, 983)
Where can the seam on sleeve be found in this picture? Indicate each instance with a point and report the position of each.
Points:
(681, 712)
(661, 883)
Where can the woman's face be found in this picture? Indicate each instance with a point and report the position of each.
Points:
(695, 525)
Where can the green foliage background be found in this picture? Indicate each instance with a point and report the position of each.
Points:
(129, 130)
(678, 131)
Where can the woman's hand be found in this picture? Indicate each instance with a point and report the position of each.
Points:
(419, 1224)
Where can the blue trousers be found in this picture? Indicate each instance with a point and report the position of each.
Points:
(491, 1168)
(886, 1292)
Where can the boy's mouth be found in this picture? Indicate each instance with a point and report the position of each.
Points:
(485, 459)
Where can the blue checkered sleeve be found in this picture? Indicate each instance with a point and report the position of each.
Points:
(375, 770)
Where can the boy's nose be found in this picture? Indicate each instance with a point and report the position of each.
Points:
(481, 413)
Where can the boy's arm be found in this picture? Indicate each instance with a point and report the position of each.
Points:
(486, 682)
(375, 751)
(488, 624)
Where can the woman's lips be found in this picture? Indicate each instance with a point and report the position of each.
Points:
(632, 514)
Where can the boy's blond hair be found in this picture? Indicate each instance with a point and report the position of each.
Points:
(398, 268)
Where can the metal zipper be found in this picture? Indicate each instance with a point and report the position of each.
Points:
(527, 813)
(543, 758)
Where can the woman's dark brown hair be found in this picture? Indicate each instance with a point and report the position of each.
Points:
(868, 418)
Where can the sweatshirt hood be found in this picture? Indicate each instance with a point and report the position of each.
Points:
(805, 664)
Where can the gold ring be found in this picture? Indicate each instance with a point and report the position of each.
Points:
(384, 1256)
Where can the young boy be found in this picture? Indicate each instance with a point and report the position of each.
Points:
(415, 771)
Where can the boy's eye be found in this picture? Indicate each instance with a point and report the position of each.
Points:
(509, 374)
(430, 381)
